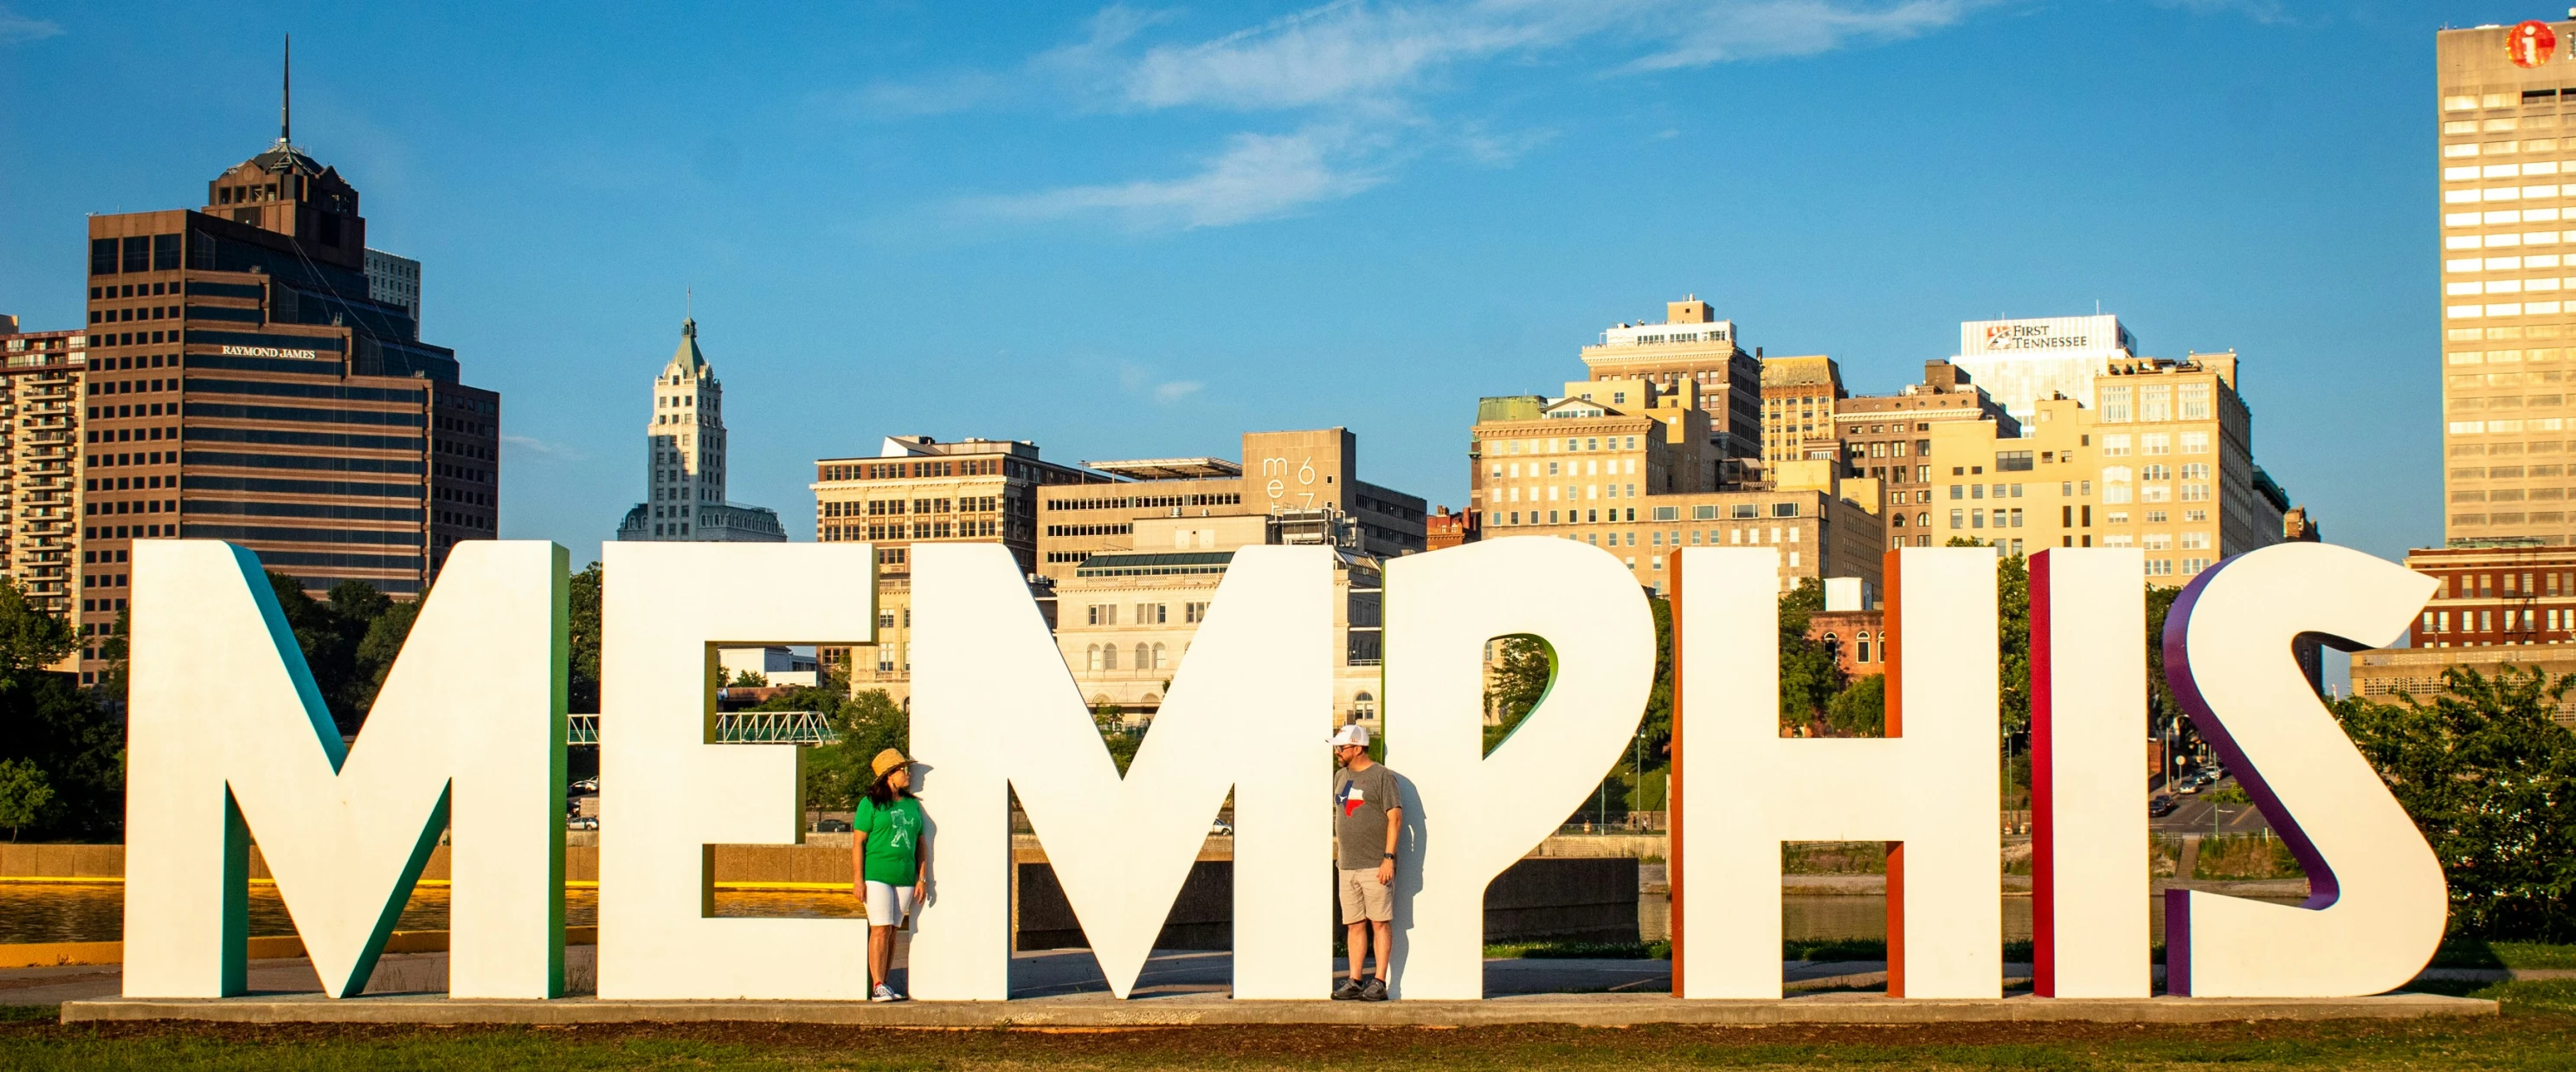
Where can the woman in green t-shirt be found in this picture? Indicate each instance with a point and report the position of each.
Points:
(889, 844)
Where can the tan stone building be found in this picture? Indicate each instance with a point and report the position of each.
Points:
(1692, 347)
(1888, 438)
(2166, 465)
(40, 488)
(1125, 619)
(916, 490)
(1306, 482)
(1798, 399)
(2506, 145)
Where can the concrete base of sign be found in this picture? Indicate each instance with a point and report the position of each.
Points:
(1099, 1010)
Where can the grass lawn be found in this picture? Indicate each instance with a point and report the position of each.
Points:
(2537, 1031)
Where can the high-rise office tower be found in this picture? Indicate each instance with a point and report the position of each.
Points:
(243, 383)
(40, 495)
(394, 281)
(684, 461)
(2507, 98)
(1692, 345)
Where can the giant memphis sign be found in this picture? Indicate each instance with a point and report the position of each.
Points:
(230, 742)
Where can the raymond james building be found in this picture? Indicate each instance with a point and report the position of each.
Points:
(242, 381)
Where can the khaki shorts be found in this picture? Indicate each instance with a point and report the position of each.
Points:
(1364, 897)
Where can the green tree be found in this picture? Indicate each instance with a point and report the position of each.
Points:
(1524, 665)
(582, 693)
(1122, 742)
(1809, 674)
(24, 793)
(867, 723)
(1860, 709)
(377, 648)
(69, 736)
(2490, 780)
(748, 679)
(2012, 643)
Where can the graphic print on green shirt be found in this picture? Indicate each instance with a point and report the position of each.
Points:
(894, 840)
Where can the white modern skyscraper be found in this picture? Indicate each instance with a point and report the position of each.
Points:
(684, 450)
(2022, 363)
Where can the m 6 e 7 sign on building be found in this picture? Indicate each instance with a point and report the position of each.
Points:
(230, 742)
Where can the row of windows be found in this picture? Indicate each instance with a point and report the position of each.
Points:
(2505, 495)
(2478, 402)
(139, 253)
(918, 530)
(2545, 517)
(920, 469)
(2483, 585)
(1104, 657)
(2509, 472)
(1571, 445)
(2537, 356)
(2544, 284)
(2493, 194)
(2472, 312)
(1737, 511)
(2189, 401)
(1119, 529)
(2460, 101)
(2503, 241)
(2484, 621)
(1572, 492)
(2153, 443)
(131, 313)
(2504, 264)
(2507, 147)
(2472, 172)
(1512, 470)
(1147, 502)
(2539, 424)
(1978, 491)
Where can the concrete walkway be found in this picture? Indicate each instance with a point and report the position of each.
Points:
(1065, 987)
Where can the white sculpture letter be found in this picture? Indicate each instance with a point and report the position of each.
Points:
(227, 738)
(1467, 815)
(1249, 709)
(2088, 734)
(2377, 901)
(667, 793)
(1930, 784)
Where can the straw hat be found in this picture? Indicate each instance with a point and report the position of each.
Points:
(886, 761)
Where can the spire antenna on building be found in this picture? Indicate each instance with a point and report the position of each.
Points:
(286, 95)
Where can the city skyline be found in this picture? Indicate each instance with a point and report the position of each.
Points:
(1337, 262)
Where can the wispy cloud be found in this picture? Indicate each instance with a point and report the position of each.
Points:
(19, 29)
(1726, 32)
(543, 448)
(1257, 177)
(2269, 12)
(1138, 380)
(1363, 74)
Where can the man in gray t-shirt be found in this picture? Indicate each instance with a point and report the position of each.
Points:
(1366, 816)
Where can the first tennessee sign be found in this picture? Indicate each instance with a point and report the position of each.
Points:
(230, 741)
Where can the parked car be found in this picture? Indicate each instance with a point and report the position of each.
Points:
(582, 822)
(586, 785)
(1220, 829)
(2163, 805)
(2188, 788)
(832, 826)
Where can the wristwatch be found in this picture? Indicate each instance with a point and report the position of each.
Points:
(1390, 856)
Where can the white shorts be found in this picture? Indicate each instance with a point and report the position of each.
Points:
(888, 905)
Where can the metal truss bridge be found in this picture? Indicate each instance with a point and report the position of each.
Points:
(737, 727)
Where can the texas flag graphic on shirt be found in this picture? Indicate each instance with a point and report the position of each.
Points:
(1352, 797)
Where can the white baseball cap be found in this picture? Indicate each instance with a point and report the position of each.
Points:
(1353, 734)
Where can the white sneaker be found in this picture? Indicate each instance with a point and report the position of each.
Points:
(884, 993)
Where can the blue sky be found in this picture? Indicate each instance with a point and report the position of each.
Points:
(1139, 231)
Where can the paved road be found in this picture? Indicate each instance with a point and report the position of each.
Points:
(2194, 816)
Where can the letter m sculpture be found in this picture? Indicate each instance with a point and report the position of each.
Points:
(229, 740)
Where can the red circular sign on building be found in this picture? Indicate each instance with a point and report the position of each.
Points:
(2530, 43)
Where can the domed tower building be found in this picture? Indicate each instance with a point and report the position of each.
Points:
(684, 459)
